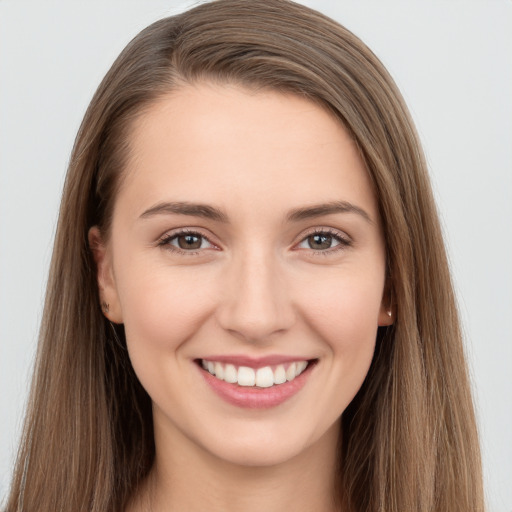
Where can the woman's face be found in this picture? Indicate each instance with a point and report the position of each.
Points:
(245, 239)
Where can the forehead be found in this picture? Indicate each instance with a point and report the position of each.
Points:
(212, 143)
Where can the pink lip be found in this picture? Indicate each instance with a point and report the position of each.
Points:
(253, 397)
(255, 362)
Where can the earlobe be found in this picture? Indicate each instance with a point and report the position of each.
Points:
(386, 316)
(108, 298)
(387, 307)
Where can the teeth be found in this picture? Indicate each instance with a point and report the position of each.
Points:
(230, 374)
(301, 366)
(249, 377)
(246, 376)
(280, 375)
(290, 372)
(219, 371)
(264, 377)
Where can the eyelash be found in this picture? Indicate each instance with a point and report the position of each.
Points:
(343, 242)
(165, 242)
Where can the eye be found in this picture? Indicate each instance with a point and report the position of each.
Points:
(323, 241)
(185, 241)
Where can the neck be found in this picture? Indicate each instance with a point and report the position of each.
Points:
(186, 478)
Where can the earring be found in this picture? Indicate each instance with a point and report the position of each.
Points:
(105, 307)
(389, 313)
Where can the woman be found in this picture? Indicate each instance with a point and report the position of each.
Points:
(249, 302)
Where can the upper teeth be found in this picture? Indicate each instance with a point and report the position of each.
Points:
(262, 377)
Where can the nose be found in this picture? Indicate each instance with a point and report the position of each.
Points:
(256, 304)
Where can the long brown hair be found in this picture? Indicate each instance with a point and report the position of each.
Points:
(409, 438)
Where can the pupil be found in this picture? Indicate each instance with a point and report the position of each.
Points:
(320, 241)
(189, 242)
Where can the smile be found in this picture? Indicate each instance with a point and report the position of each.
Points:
(245, 376)
(251, 384)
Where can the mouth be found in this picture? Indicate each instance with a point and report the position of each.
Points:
(255, 386)
(264, 377)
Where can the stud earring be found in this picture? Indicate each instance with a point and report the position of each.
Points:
(105, 307)
(389, 313)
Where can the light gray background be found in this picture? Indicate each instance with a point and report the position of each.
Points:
(453, 63)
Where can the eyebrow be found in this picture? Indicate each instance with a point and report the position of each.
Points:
(210, 212)
(184, 208)
(330, 208)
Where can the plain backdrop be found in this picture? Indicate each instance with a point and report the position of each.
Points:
(451, 59)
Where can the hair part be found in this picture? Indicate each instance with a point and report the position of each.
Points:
(409, 438)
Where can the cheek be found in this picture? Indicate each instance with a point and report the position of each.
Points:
(161, 308)
(345, 305)
(344, 313)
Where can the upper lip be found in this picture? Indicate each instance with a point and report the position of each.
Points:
(255, 362)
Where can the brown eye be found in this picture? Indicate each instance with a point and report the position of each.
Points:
(186, 242)
(320, 241)
(325, 242)
(189, 242)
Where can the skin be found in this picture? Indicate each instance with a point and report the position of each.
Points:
(255, 286)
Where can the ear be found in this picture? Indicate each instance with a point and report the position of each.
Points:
(387, 308)
(108, 296)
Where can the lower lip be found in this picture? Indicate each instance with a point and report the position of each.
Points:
(254, 397)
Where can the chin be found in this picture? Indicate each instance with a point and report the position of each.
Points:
(254, 455)
(265, 449)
